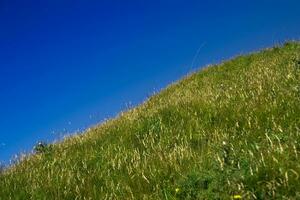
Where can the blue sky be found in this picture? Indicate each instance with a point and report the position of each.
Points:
(65, 65)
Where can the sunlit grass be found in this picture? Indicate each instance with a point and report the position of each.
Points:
(230, 131)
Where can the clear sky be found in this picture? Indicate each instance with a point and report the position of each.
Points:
(67, 64)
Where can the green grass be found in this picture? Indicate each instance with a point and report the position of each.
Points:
(230, 129)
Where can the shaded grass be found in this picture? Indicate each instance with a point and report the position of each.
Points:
(230, 129)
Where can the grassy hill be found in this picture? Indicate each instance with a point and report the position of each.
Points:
(229, 131)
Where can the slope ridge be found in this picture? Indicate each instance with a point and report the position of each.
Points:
(227, 131)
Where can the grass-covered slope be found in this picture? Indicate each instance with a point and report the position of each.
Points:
(226, 131)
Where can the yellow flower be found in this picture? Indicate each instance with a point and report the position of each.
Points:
(237, 196)
(177, 190)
